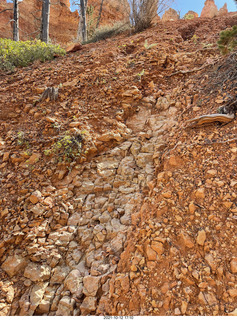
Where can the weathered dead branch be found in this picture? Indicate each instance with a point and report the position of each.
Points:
(195, 69)
(210, 118)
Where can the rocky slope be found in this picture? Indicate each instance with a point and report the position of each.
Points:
(144, 222)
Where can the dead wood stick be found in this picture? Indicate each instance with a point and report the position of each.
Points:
(188, 71)
(193, 70)
(210, 118)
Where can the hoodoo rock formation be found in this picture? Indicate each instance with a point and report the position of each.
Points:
(210, 9)
(191, 15)
(63, 22)
(223, 10)
(170, 15)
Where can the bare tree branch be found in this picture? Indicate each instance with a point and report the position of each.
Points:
(6, 10)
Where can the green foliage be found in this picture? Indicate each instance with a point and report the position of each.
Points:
(23, 53)
(228, 40)
(189, 16)
(68, 147)
(139, 75)
(108, 31)
(22, 139)
(195, 38)
(149, 46)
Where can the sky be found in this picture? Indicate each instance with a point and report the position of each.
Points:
(185, 5)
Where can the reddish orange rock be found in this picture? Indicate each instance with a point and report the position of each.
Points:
(74, 48)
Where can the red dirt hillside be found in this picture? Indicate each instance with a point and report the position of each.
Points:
(143, 221)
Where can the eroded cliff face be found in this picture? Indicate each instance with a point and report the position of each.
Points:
(63, 22)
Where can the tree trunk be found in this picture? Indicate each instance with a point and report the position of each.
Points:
(45, 21)
(83, 5)
(16, 21)
(99, 17)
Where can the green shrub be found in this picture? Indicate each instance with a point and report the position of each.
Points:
(108, 31)
(23, 53)
(67, 148)
(189, 16)
(228, 40)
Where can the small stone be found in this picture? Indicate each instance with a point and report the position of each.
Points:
(74, 48)
(201, 298)
(13, 265)
(227, 204)
(211, 173)
(133, 268)
(192, 208)
(35, 197)
(65, 306)
(232, 292)
(184, 307)
(59, 275)
(4, 212)
(187, 241)
(220, 271)
(151, 254)
(37, 272)
(50, 119)
(201, 237)
(91, 285)
(211, 299)
(27, 283)
(200, 193)
(10, 294)
(210, 260)
(233, 265)
(89, 304)
(175, 161)
(177, 311)
(110, 136)
(34, 158)
(157, 246)
(36, 295)
(6, 156)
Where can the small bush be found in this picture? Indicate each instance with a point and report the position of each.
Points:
(142, 13)
(228, 40)
(68, 147)
(108, 31)
(23, 53)
(189, 16)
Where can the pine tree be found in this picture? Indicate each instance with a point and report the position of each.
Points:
(228, 40)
